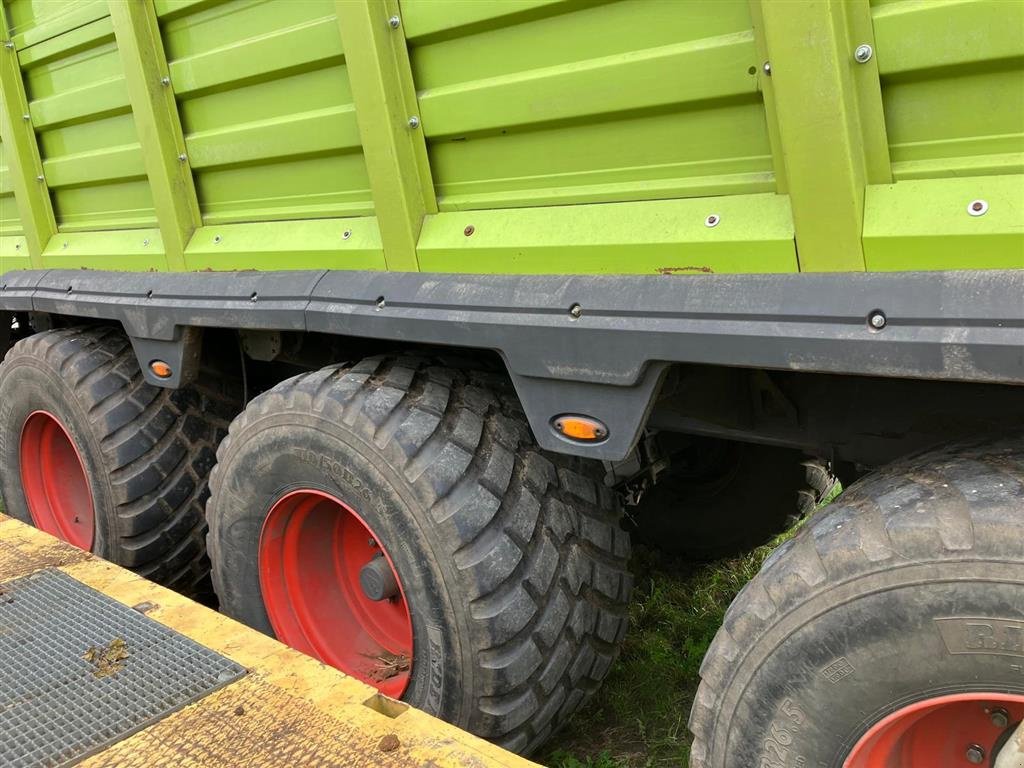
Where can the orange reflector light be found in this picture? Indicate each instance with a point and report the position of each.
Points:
(161, 369)
(582, 428)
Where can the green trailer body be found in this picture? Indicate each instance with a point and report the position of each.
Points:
(595, 190)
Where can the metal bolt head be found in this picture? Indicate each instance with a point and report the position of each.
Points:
(975, 754)
(346, 234)
(977, 207)
(877, 320)
(414, 122)
(39, 177)
(182, 157)
(145, 242)
(469, 230)
(381, 303)
(712, 220)
(576, 311)
(216, 239)
(394, 22)
(26, 118)
(64, 244)
(767, 67)
(8, 44)
(255, 297)
(165, 81)
(1000, 718)
(863, 53)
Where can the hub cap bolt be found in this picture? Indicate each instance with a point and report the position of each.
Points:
(1000, 717)
(877, 321)
(378, 580)
(975, 754)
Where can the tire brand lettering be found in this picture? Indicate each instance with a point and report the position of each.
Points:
(1002, 637)
(334, 469)
(777, 746)
(435, 690)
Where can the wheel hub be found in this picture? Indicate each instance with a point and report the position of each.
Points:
(957, 731)
(53, 477)
(331, 590)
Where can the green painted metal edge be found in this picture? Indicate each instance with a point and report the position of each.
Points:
(396, 154)
(928, 224)
(867, 88)
(30, 192)
(764, 84)
(349, 243)
(156, 120)
(13, 253)
(820, 128)
(748, 234)
(128, 250)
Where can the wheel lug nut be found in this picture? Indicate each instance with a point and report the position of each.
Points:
(975, 754)
(1000, 717)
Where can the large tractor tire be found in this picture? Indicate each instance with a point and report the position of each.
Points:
(396, 519)
(95, 456)
(888, 632)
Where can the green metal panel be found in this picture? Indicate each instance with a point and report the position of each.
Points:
(10, 224)
(926, 225)
(78, 101)
(353, 243)
(754, 233)
(33, 21)
(266, 107)
(825, 133)
(388, 116)
(138, 250)
(156, 120)
(953, 86)
(527, 104)
(25, 169)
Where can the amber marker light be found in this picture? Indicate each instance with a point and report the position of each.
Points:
(161, 369)
(581, 428)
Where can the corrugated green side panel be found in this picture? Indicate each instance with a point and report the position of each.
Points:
(266, 109)
(546, 102)
(10, 224)
(953, 86)
(80, 112)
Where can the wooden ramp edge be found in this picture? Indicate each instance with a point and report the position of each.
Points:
(289, 710)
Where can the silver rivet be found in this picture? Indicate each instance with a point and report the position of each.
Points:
(576, 311)
(346, 234)
(863, 53)
(414, 122)
(145, 242)
(767, 67)
(8, 44)
(712, 220)
(975, 754)
(216, 239)
(26, 118)
(182, 157)
(381, 303)
(394, 22)
(977, 207)
(1000, 717)
(165, 81)
(254, 298)
(17, 246)
(877, 320)
(39, 177)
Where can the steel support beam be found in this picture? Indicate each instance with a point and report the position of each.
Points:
(830, 127)
(22, 153)
(386, 110)
(156, 120)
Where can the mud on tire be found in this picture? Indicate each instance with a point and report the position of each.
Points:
(511, 559)
(907, 588)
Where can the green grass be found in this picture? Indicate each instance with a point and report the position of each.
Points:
(638, 718)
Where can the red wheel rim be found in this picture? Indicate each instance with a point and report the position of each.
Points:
(312, 549)
(53, 477)
(939, 733)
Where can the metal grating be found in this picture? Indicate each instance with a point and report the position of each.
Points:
(58, 705)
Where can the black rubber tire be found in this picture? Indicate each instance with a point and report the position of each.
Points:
(147, 451)
(874, 605)
(511, 559)
(753, 493)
